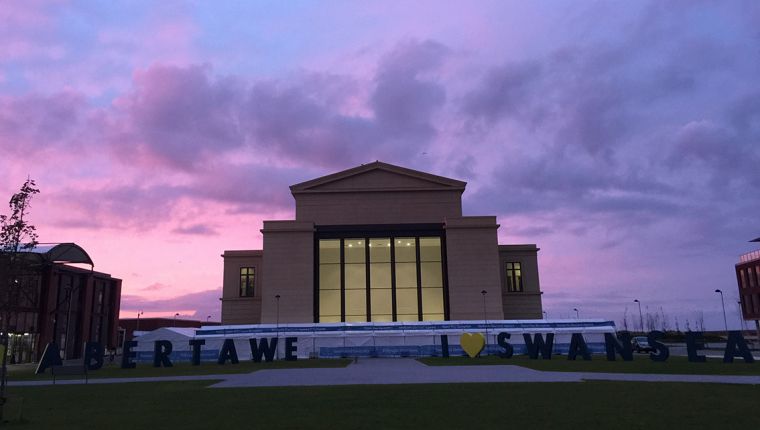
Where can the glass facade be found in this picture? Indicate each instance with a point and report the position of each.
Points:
(379, 279)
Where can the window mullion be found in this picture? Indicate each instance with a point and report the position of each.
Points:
(367, 278)
(419, 278)
(393, 279)
(342, 283)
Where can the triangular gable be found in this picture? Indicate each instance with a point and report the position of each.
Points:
(378, 176)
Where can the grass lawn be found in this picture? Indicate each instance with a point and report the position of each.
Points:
(189, 405)
(640, 364)
(112, 370)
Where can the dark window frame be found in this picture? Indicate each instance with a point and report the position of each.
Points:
(250, 282)
(516, 273)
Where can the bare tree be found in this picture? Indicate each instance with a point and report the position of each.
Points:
(701, 322)
(17, 237)
(665, 322)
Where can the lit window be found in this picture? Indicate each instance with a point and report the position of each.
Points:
(380, 279)
(514, 278)
(247, 281)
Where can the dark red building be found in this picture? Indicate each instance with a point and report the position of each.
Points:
(748, 278)
(66, 304)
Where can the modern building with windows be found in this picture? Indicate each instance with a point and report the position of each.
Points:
(748, 280)
(57, 302)
(380, 243)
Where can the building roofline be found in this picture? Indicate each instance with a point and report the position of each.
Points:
(446, 183)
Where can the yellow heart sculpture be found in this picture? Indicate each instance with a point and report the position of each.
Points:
(472, 343)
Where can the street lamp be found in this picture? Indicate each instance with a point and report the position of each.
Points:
(277, 299)
(138, 320)
(577, 314)
(208, 318)
(175, 319)
(485, 318)
(545, 314)
(641, 316)
(725, 321)
(741, 317)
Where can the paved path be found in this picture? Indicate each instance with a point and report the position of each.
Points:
(406, 371)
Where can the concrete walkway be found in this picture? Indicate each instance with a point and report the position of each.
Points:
(406, 371)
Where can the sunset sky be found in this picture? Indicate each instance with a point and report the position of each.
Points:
(623, 138)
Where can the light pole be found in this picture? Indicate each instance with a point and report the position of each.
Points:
(741, 317)
(208, 318)
(641, 316)
(485, 318)
(277, 300)
(577, 314)
(722, 303)
(138, 321)
(545, 314)
(175, 319)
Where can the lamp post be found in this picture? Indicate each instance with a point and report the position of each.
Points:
(741, 317)
(723, 304)
(641, 316)
(577, 314)
(138, 321)
(485, 318)
(277, 326)
(208, 317)
(545, 314)
(175, 319)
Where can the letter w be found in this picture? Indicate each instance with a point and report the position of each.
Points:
(537, 344)
(265, 347)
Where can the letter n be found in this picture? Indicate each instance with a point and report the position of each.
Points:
(611, 345)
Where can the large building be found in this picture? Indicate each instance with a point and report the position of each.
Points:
(62, 303)
(380, 243)
(748, 279)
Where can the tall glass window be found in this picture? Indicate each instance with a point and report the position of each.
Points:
(406, 279)
(329, 281)
(381, 295)
(380, 279)
(431, 270)
(355, 276)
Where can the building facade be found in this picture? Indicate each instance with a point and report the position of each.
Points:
(748, 280)
(379, 243)
(62, 303)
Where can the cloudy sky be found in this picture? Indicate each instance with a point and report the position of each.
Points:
(621, 137)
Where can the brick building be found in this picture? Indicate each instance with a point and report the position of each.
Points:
(64, 304)
(748, 279)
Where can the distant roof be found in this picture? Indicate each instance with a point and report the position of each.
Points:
(61, 253)
(755, 240)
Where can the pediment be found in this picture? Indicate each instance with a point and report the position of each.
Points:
(378, 176)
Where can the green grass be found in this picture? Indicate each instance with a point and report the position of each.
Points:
(189, 405)
(26, 372)
(640, 364)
